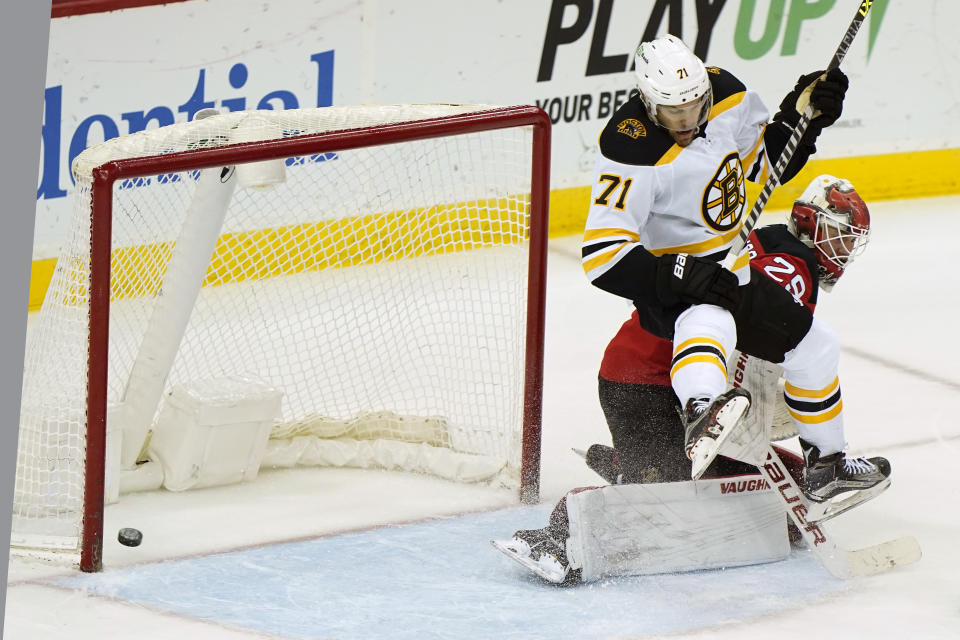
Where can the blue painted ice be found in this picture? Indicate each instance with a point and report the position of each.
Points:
(443, 579)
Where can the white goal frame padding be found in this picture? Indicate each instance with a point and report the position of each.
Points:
(185, 273)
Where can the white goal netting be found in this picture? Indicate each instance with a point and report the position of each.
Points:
(382, 290)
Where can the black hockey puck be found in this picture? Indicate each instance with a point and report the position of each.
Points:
(130, 537)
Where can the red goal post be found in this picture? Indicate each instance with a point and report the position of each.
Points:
(324, 149)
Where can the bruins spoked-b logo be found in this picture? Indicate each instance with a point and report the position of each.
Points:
(725, 195)
(632, 127)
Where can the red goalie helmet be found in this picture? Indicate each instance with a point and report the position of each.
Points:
(833, 220)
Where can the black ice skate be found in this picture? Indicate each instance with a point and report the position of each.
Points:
(708, 424)
(542, 553)
(836, 483)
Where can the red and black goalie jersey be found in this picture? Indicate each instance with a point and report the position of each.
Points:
(636, 356)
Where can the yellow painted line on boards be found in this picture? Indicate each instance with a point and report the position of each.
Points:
(282, 251)
(893, 176)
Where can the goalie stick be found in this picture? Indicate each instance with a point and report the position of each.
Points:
(706, 447)
(840, 562)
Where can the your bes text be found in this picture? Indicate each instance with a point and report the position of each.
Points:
(583, 106)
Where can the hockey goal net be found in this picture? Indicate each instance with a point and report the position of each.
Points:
(382, 268)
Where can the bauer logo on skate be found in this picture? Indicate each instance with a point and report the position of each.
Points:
(725, 195)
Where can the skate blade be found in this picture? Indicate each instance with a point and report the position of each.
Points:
(551, 571)
(822, 511)
(706, 449)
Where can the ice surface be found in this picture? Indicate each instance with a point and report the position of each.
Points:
(439, 579)
(210, 567)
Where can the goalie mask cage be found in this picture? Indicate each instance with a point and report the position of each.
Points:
(390, 284)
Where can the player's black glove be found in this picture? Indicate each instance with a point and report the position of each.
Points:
(686, 278)
(824, 91)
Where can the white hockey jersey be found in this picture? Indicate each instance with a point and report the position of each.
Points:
(650, 193)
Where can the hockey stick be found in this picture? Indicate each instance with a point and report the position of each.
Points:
(706, 448)
(840, 562)
(774, 180)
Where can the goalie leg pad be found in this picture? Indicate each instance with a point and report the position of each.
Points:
(641, 529)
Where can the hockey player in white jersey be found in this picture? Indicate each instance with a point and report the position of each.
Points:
(729, 517)
(668, 201)
(828, 226)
